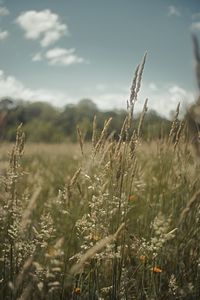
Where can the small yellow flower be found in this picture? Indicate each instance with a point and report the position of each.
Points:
(50, 252)
(156, 270)
(77, 291)
(94, 237)
(142, 258)
(132, 198)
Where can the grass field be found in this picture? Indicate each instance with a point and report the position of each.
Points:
(120, 221)
(113, 219)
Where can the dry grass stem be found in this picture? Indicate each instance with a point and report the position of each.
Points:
(102, 136)
(174, 125)
(30, 208)
(141, 120)
(95, 249)
(94, 131)
(80, 139)
(135, 87)
(188, 208)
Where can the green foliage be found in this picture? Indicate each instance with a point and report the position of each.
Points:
(136, 203)
(45, 123)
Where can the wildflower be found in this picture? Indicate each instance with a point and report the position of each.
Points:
(96, 237)
(142, 258)
(156, 270)
(50, 252)
(173, 287)
(132, 198)
(77, 291)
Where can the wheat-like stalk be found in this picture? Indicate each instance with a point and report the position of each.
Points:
(95, 249)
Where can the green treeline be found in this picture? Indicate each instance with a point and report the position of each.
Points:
(43, 122)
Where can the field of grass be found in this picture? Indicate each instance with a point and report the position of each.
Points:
(120, 221)
(114, 219)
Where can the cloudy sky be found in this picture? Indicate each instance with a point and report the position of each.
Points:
(64, 50)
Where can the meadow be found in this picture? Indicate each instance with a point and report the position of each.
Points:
(110, 219)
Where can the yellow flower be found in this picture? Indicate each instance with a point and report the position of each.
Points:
(156, 270)
(96, 237)
(77, 291)
(142, 258)
(132, 198)
(50, 252)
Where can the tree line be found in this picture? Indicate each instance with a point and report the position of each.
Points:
(42, 122)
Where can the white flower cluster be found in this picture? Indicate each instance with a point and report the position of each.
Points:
(173, 287)
(160, 234)
(103, 212)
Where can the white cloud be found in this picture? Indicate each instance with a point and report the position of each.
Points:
(11, 87)
(61, 56)
(3, 34)
(166, 98)
(177, 90)
(163, 100)
(42, 25)
(195, 25)
(111, 100)
(173, 11)
(4, 11)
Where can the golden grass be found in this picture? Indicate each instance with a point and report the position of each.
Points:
(106, 220)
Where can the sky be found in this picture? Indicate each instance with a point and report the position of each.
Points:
(62, 51)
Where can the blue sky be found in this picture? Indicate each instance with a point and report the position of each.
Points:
(62, 51)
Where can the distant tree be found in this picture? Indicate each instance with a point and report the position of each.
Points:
(81, 114)
(86, 108)
(66, 121)
(155, 126)
(87, 104)
(42, 110)
(6, 105)
(45, 123)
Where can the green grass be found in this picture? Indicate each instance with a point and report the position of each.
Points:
(52, 215)
(111, 220)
